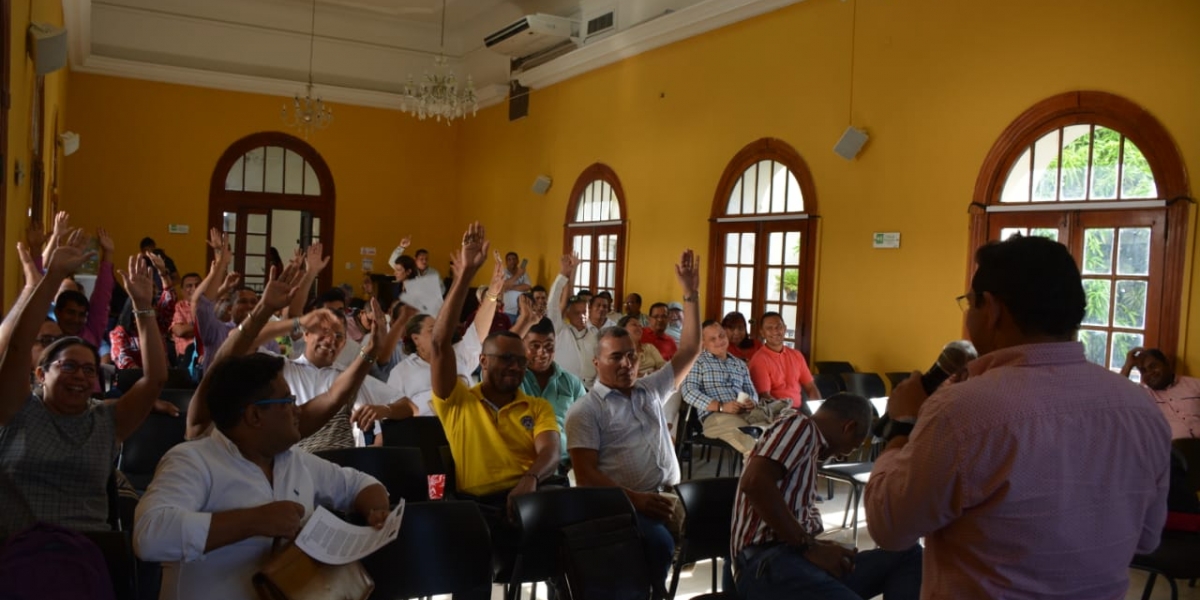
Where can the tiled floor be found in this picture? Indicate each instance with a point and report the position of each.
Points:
(696, 581)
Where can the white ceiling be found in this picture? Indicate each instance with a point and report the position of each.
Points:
(363, 50)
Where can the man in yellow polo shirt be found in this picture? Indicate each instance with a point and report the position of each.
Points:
(504, 442)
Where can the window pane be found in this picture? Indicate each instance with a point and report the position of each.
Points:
(747, 310)
(1122, 343)
(1073, 172)
(1136, 179)
(233, 180)
(764, 186)
(1097, 251)
(256, 282)
(1046, 232)
(274, 174)
(312, 187)
(293, 166)
(256, 244)
(256, 224)
(727, 307)
(788, 312)
(731, 281)
(746, 283)
(1105, 154)
(1016, 186)
(795, 198)
(254, 170)
(791, 284)
(748, 248)
(316, 227)
(1098, 292)
(750, 190)
(1008, 232)
(1131, 304)
(1045, 168)
(1095, 345)
(583, 278)
(734, 206)
(1133, 252)
(775, 284)
(731, 248)
(255, 266)
(230, 220)
(791, 247)
(612, 274)
(779, 182)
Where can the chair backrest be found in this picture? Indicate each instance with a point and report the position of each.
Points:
(544, 513)
(141, 451)
(176, 379)
(709, 506)
(828, 384)
(425, 433)
(1190, 449)
(833, 367)
(895, 377)
(867, 385)
(442, 548)
(400, 470)
(181, 398)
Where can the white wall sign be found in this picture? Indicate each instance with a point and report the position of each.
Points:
(889, 239)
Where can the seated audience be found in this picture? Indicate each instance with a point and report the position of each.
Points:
(516, 282)
(1178, 397)
(1041, 474)
(656, 334)
(545, 379)
(598, 308)
(649, 360)
(633, 308)
(674, 320)
(420, 263)
(183, 323)
(617, 435)
(212, 330)
(776, 521)
(57, 447)
(540, 296)
(126, 345)
(217, 507)
(88, 319)
(779, 372)
(575, 337)
(720, 389)
(741, 344)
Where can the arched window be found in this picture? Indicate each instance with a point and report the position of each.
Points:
(762, 239)
(595, 230)
(1099, 174)
(271, 190)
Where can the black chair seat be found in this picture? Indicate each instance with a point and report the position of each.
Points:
(867, 385)
(1175, 558)
(425, 433)
(400, 470)
(141, 451)
(442, 548)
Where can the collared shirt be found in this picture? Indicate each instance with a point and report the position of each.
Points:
(212, 333)
(414, 380)
(512, 297)
(574, 348)
(561, 391)
(183, 315)
(1037, 477)
(309, 381)
(665, 344)
(794, 442)
(1180, 404)
(675, 331)
(780, 374)
(630, 435)
(713, 378)
(200, 478)
(492, 447)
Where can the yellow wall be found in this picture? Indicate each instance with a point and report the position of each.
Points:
(150, 149)
(935, 83)
(22, 83)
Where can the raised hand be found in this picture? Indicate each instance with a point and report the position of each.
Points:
(138, 283)
(70, 254)
(62, 224)
(106, 243)
(475, 245)
(406, 242)
(568, 264)
(688, 272)
(379, 330)
(297, 257)
(32, 275)
(35, 235)
(312, 258)
(496, 285)
(525, 307)
(281, 287)
(219, 242)
(227, 286)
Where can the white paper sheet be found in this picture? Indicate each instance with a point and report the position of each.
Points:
(423, 294)
(333, 541)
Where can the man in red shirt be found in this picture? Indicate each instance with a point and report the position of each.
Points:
(779, 372)
(656, 334)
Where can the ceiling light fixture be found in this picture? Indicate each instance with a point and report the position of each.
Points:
(439, 95)
(308, 114)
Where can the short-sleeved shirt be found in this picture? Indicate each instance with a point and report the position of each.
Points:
(413, 379)
(55, 468)
(1180, 404)
(513, 297)
(780, 374)
(630, 435)
(492, 448)
(666, 344)
(561, 391)
(714, 378)
(308, 381)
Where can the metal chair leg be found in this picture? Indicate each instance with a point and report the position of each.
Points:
(1149, 589)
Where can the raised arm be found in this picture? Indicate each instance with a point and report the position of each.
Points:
(688, 274)
(313, 264)
(33, 276)
(26, 318)
(97, 321)
(399, 251)
(525, 317)
(219, 242)
(62, 229)
(135, 404)
(487, 308)
(315, 413)
(465, 262)
(1132, 359)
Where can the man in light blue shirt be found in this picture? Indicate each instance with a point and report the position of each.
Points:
(545, 379)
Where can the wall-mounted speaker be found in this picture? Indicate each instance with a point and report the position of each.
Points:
(47, 47)
(518, 101)
(541, 185)
(851, 143)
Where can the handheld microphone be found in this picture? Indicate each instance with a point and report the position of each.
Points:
(954, 358)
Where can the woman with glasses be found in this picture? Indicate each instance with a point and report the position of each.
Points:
(57, 446)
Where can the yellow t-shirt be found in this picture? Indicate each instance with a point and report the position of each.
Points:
(491, 449)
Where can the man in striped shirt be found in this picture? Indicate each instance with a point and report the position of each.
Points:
(776, 521)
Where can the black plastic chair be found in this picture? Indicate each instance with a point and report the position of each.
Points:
(400, 470)
(706, 533)
(828, 384)
(544, 513)
(176, 379)
(1175, 558)
(141, 451)
(833, 367)
(691, 436)
(867, 385)
(1189, 449)
(180, 397)
(117, 548)
(854, 474)
(895, 377)
(442, 548)
(425, 433)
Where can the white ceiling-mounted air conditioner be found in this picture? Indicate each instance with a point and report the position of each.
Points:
(532, 34)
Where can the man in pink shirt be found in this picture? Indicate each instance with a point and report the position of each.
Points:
(183, 321)
(1178, 397)
(1040, 475)
(778, 372)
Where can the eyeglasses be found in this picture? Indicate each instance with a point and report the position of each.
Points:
(71, 367)
(46, 340)
(510, 359)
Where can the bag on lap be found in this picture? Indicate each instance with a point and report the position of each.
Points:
(48, 562)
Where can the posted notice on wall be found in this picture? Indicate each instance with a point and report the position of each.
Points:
(333, 541)
(887, 239)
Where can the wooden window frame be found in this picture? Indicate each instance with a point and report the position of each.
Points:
(783, 153)
(571, 227)
(5, 103)
(1139, 127)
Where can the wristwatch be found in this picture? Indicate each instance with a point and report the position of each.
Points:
(898, 427)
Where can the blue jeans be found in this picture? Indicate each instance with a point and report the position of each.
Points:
(660, 548)
(767, 573)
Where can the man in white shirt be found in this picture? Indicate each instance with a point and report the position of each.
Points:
(216, 505)
(516, 282)
(575, 337)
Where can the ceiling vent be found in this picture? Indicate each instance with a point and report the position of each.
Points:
(600, 24)
(533, 34)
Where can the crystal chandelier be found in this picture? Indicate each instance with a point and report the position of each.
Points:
(308, 114)
(439, 95)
